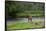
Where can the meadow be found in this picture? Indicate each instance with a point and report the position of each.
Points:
(32, 25)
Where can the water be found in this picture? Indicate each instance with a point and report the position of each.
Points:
(21, 20)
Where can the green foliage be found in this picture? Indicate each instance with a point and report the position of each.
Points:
(24, 9)
(24, 26)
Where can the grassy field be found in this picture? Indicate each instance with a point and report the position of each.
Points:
(31, 25)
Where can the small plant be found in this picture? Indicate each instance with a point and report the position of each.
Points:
(36, 23)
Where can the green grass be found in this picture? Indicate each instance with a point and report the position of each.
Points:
(24, 25)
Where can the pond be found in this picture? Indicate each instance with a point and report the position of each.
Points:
(21, 20)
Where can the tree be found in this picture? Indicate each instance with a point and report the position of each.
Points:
(16, 8)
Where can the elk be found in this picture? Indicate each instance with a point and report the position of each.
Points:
(29, 18)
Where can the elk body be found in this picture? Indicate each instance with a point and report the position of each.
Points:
(29, 18)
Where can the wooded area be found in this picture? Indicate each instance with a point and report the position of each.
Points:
(15, 9)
